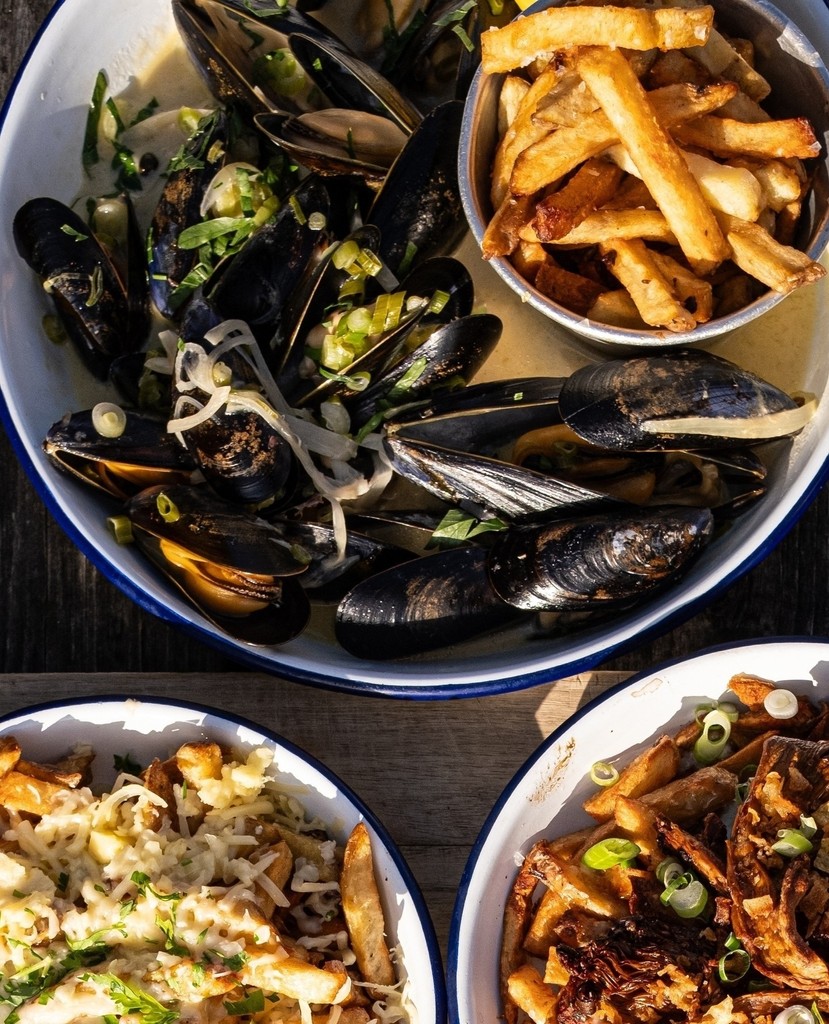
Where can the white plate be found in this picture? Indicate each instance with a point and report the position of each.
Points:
(545, 796)
(156, 728)
(40, 137)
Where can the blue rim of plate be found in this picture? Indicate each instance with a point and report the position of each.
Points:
(412, 886)
(538, 754)
(427, 685)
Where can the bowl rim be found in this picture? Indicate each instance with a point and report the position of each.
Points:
(412, 679)
(481, 841)
(278, 741)
(593, 332)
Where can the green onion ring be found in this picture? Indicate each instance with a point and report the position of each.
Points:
(609, 853)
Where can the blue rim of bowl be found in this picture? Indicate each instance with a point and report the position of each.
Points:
(605, 336)
(538, 754)
(429, 683)
(412, 886)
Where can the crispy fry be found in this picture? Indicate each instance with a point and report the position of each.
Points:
(572, 290)
(503, 231)
(513, 90)
(750, 689)
(363, 910)
(541, 931)
(654, 767)
(780, 267)
(503, 49)
(616, 308)
(532, 994)
(590, 186)
(632, 263)
(722, 60)
(649, 225)
(19, 792)
(199, 761)
(9, 754)
(765, 140)
(271, 968)
(554, 155)
(696, 295)
(656, 156)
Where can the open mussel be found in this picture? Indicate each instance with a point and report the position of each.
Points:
(118, 451)
(99, 298)
(233, 566)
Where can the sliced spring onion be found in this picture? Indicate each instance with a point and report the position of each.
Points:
(121, 529)
(345, 254)
(689, 901)
(734, 965)
(791, 842)
(668, 870)
(317, 221)
(817, 1014)
(732, 942)
(677, 882)
(109, 419)
(808, 826)
(716, 730)
(780, 703)
(609, 852)
(167, 509)
(603, 774)
(795, 1014)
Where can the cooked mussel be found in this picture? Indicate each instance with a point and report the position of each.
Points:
(685, 399)
(101, 302)
(119, 451)
(233, 566)
(595, 561)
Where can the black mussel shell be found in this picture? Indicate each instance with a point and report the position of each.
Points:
(144, 454)
(89, 295)
(350, 83)
(256, 283)
(595, 561)
(179, 207)
(418, 210)
(424, 604)
(607, 403)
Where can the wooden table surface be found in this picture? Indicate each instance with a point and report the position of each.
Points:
(434, 769)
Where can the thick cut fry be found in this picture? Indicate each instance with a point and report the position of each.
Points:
(9, 754)
(649, 225)
(527, 258)
(554, 155)
(19, 792)
(571, 290)
(273, 970)
(513, 90)
(592, 185)
(658, 159)
(514, 45)
(541, 933)
(696, 295)
(503, 231)
(780, 267)
(631, 262)
(530, 993)
(654, 767)
(618, 309)
(722, 60)
(199, 761)
(523, 130)
(726, 137)
(363, 910)
(555, 973)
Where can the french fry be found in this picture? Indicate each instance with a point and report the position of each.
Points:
(272, 969)
(696, 295)
(9, 754)
(513, 90)
(532, 994)
(722, 60)
(780, 267)
(656, 155)
(654, 767)
(632, 263)
(649, 225)
(547, 161)
(727, 137)
(541, 932)
(504, 229)
(363, 910)
(19, 792)
(590, 186)
(572, 290)
(616, 308)
(199, 761)
(557, 28)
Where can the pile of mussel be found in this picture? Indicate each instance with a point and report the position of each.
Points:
(305, 423)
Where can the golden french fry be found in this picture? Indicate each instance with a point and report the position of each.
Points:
(780, 267)
(541, 932)
(513, 90)
(696, 295)
(532, 994)
(593, 184)
(19, 792)
(727, 137)
(363, 910)
(199, 761)
(722, 60)
(572, 290)
(649, 225)
(654, 767)
(558, 28)
(503, 232)
(631, 262)
(547, 161)
(555, 973)
(617, 309)
(656, 156)
(527, 257)
(9, 754)
(751, 690)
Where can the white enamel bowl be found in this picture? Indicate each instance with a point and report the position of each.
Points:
(150, 728)
(799, 87)
(40, 138)
(544, 798)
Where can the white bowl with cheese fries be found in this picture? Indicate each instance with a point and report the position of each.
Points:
(166, 862)
(650, 176)
(602, 883)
